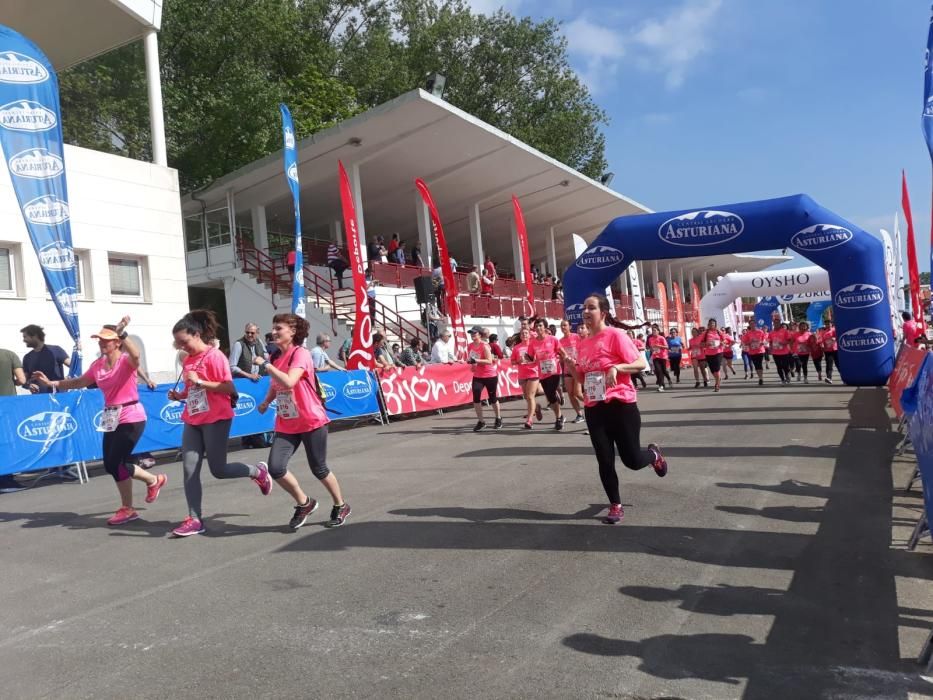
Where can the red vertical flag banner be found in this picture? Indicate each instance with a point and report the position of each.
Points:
(695, 303)
(913, 271)
(361, 354)
(450, 282)
(526, 261)
(662, 297)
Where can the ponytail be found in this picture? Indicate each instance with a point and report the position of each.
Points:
(201, 322)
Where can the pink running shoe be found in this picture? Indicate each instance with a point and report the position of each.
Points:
(263, 481)
(659, 463)
(190, 526)
(615, 514)
(123, 516)
(152, 492)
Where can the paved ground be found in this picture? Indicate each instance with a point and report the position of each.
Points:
(768, 564)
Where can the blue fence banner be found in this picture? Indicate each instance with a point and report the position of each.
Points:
(291, 174)
(31, 140)
(917, 401)
(49, 430)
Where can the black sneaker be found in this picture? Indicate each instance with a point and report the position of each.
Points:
(338, 514)
(480, 424)
(302, 513)
(697, 385)
(761, 382)
(498, 424)
(559, 423)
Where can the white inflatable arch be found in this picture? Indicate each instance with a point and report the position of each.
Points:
(760, 284)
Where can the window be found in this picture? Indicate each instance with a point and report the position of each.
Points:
(7, 273)
(126, 277)
(194, 239)
(83, 283)
(217, 234)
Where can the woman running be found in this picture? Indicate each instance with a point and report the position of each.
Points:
(802, 341)
(209, 395)
(640, 346)
(754, 342)
(727, 352)
(123, 419)
(780, 340)
(816, 352)
(657, 343)
(545, 350)
(569, 342)
(698, 358)
(712, 342)
(830, 349)
(675, 349)
(485, 376)
(300, 419)
(527, 376)
(606, 361)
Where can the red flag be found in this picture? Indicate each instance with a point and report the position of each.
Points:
(361, 349)
(662, 297)
(912, 269)
(526, 261)
(450, 282)
(695, 303)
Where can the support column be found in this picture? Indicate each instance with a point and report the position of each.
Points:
(260, 228)
(670, 284)
(476, 236)
(551, 252)
(336, 232)
(705, 288)
(683, 291)
(154, 84)
(231, 214)
(354, 175)
(517, 254)
(423, 219)
(657, 278)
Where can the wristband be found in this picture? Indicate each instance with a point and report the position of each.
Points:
(123, 335)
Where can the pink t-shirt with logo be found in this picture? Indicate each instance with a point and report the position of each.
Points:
(311, 412)
(544, 351)
(696, 347)
(911, 332)
(780, 342)
(658, 345)
(570, 343)
(211, 366)
(754, 342)
(478, 351)
(713, 342)
(525, 371)
(802, 342)
(597, 353)
(828, 339)
(118, 385)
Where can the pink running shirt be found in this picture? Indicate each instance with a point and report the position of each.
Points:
(754, 342)
(802, 343)
(658, 345)
(828, 340)
(596, 354)
(570, 343)
(478, 351)
(780, 342)
(303, 396)
(118, 385)
(712, 342)
(525, 371)
(544, 352)
(696, 347)
(211, 366)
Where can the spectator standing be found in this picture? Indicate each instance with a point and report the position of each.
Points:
(244, 351)
(400, 253)
(415, 255)
(910, 330)
(336, 262)
(488, 278)
(453, 264)
(48, 359)
(11, 376)
(494, 346)
(319, 358)
(442, 353)
(393, 246)
(290, 262)
(411, 356)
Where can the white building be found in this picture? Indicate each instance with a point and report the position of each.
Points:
(125, 214)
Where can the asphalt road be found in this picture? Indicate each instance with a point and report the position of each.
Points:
(769, 563)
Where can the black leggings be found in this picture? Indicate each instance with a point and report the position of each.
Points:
(660, 371)
(783, 364)
(714, 362)
(675, 366)
(616, 425)
(551, 386)
(802, 362)
(818, 363)
(491, 384)
(118, 446)
(284, 446)
(756, 360)
(832, 359)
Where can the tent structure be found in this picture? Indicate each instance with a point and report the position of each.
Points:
(853, 258)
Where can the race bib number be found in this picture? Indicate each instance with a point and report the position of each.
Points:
(197, 401)
(548, 366)
(285, 403)
(712, 343)
(474, 355)
(754, 345)
(110, 419)
(594, 385)
(778, 345)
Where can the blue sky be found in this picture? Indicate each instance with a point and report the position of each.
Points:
(720, 101)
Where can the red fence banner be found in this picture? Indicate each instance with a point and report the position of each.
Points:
(450, 283)
(913, 273)
(695, 303)
(662, 299)
(361, 355)
(906, 369)
(428, 388)
(526, 260)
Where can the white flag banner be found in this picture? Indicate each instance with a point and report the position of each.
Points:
(638, 303)
(890, 268)
(899, 257)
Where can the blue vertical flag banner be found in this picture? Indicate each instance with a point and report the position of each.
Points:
(926, 120)
(291, 174)
(763, 312)
(815, 313)
(31, 141)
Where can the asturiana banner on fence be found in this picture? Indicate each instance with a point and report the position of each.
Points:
(31, 140)
(50, 430)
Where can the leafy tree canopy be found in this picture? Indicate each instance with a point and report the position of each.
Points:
(227, 64)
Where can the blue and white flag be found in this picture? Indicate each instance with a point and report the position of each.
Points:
(291, 174)
(926, 120)
(31, 140)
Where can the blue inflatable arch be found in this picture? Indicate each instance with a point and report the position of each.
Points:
(853, 258)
